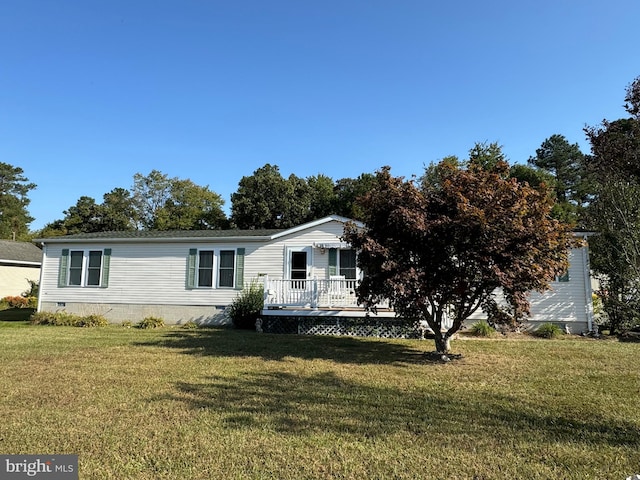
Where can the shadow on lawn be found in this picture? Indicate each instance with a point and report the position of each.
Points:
(323, 402)
(238, 343)
(16, 314)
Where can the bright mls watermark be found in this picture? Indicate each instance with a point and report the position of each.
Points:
(47, 467)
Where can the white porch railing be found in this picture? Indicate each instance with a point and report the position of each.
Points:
(335, 292)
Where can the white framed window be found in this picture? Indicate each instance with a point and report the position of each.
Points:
(205, 268)
(84, 268)
(347, 263)
(213, 268)
(226, 268)
(342, 262)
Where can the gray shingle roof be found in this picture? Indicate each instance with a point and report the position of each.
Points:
(19, 252)
(168, 234)
(188, 235)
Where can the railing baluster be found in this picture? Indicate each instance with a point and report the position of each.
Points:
(313, 293)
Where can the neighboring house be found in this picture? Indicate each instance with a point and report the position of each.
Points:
(19, 264)
(309, 276)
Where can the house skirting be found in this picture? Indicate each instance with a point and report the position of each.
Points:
(339, 322)
(359, 324)
(118, 313)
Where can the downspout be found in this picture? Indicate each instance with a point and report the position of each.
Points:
(587, 285)
(42, 264)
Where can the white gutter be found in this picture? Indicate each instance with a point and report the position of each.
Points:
(64, 240)
(20, 262)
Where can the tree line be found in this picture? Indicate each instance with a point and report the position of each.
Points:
(266, 199)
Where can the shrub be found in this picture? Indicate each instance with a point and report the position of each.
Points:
(126, 324)
(92, 321)
(245, 308)
(190, 325)
(151, 322)
(64, 319)
(548, 330)
(16, 302)
(482, 329)
(33, 290)
(53, 318)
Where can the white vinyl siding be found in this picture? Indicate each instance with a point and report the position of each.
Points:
(566, 301)
(157, 272)
(567, 298)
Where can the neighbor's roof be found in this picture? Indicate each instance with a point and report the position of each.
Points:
(187, 235)
(20, 253)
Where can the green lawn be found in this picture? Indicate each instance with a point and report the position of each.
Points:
(208, 404)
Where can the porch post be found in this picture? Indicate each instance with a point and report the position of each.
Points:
(265, 294)
(314, 294)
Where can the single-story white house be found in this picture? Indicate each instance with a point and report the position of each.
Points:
(309, 277)
(19, 264)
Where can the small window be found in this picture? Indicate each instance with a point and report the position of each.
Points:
(226, 270)
(564, 277)
(205, 268)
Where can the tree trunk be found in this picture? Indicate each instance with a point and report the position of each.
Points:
(443, 343)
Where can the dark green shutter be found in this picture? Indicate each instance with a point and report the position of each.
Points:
(106, 263)
(191, 268)
(64, 265)
(239, 268)
(333, 261)
(564, 277)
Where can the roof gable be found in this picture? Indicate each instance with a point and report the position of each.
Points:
(315, 223)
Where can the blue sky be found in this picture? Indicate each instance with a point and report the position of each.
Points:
(92, 92)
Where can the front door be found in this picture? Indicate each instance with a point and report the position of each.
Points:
(298, 266)
(298, 273)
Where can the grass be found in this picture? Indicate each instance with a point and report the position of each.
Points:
(199, 404)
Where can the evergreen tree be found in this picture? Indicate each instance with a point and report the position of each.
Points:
(14, 190)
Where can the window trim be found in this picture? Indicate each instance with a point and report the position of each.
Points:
(193, 268)
(339, 266)
(66, 268)
(198, 268)
(232, 268)
(334, 262)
